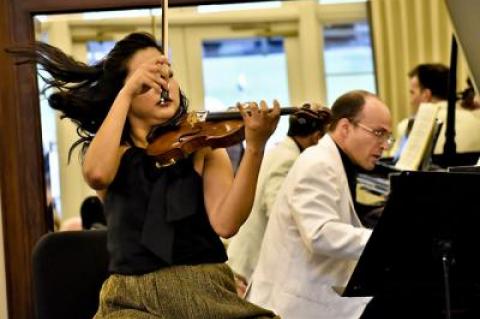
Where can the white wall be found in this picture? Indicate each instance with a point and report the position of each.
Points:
(73, 188)
(3, 278)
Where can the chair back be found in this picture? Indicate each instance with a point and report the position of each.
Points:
(68, 271)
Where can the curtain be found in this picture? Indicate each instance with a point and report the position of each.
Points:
(406, 33)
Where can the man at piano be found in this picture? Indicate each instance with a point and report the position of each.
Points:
(314, 237)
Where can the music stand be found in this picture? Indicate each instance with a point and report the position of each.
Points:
(428, 217)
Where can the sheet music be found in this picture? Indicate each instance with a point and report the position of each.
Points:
(419, 137)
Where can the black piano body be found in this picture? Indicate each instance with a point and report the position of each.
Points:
(427, 215)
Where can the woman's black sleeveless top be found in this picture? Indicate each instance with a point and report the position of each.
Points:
(157, 217)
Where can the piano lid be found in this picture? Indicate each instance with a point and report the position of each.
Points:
(464, 15)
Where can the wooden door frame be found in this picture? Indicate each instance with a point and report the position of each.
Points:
(21, 164)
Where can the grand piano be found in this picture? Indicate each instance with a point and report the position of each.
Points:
(421, 261)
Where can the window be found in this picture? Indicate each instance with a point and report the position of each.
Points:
(97, 50)
(246, 69)
(348, 59)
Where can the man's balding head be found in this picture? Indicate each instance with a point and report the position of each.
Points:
(361, 127)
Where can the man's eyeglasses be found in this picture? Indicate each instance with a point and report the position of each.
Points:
(381, 134)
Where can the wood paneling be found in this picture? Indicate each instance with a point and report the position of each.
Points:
(22, 184)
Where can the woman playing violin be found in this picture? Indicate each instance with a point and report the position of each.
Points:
(164, 223)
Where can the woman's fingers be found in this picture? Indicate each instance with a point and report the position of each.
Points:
(161, 65)
(276, 105)
(252, 108)
(159, 60)
(154, 81)
(260, 122)
(264, 107)
(153, 74)
(245, 109)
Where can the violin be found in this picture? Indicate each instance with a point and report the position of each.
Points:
(186, 133)
(195, 130)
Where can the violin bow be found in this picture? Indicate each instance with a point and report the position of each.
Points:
(165, 27)
(164, 95)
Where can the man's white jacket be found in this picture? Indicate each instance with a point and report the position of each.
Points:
(312, 242)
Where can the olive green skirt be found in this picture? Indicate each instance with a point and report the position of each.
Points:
(179, 292)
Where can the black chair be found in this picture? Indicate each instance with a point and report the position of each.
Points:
(68, 271)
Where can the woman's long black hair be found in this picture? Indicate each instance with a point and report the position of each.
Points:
(85, 93)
